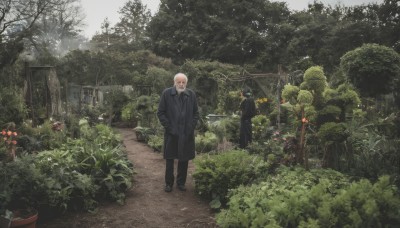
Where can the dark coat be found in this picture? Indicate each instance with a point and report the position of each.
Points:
(248, 111)
(178, 115)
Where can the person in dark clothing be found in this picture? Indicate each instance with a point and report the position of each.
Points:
(178, 114)
(248, 111)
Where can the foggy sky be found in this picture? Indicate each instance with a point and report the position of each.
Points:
(97, 10)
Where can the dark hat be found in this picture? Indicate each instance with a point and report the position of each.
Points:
(246, 92)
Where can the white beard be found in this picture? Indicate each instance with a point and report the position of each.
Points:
(180, 90)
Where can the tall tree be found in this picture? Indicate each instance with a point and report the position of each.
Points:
(103, 40)
(389, 19)
(22, 25)
(232, 31)
(132, 25)
(57, 30)
(312, 30)
(129, 34)
(17, 20)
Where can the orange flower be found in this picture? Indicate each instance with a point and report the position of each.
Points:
(9, 133)
(304, 120)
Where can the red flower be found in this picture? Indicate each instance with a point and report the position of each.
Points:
(3, 132)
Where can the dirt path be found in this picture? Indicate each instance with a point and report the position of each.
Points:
(147, 205)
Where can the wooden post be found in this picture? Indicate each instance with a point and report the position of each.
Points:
(278, 119)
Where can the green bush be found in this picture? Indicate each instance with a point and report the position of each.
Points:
(20, 184)
(320, 198)
(128, 112)
(231, 102)
(107, 135)
(107, 164)
(231, 128)
(64, 188)
(156, 142)
(206, 143)
(83, 171)
(218, 129)
(146, 108)
(42, 137)
(372, 154)
(12, 106)
(216, 174)
(332, 132)
(143, 133)
(260, 124)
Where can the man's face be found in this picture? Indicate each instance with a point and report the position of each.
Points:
(180, 84)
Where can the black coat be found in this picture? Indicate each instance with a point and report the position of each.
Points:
(179, 115)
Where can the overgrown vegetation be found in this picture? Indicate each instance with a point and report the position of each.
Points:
(74, 176)
(325, 79)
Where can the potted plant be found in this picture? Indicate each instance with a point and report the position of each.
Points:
(5, 219)
(143, 133)
(24, 218)
(19, 186)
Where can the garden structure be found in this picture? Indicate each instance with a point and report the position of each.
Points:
(42, 93)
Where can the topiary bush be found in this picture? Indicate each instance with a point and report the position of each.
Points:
(331, 132)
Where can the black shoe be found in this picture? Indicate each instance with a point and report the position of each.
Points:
(168, 188)
(182, 188)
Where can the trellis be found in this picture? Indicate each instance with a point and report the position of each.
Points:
(265, 81)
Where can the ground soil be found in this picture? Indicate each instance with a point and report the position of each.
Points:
(147, 205)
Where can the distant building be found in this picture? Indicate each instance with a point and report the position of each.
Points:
(81, 95)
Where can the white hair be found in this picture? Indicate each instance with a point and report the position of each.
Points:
(179, 75)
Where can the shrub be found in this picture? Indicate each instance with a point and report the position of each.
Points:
(271, 149)
(282, 200)
(19, 184)
(260, 124)
(156, 142)
(64, 188)
(128, 112)
(106, 135)
(231, 127)
(143, 133)
(218, 129)
(231, 102)
(216, 174)
(12, 105)
(333, 132)
(206, 143)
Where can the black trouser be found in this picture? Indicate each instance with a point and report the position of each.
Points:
(245, 133)
(181, 175)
